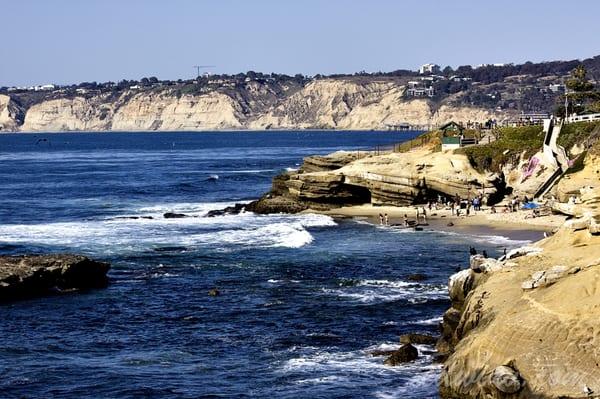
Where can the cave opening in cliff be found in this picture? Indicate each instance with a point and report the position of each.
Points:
(358, 195)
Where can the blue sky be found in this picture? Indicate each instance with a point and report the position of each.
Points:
(68, 41)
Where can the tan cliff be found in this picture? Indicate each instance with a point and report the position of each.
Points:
(393, 179)
(321, 104)
(10, 114)
(526, 326)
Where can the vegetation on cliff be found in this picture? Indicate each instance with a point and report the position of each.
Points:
(511, 144)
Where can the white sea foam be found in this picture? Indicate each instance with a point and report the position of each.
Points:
(429, 322)
(488, 239)
(123, 234)
(374, 291)
(336, 367)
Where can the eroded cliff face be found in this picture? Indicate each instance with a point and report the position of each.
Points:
(321, 104)
(526, 326)
(395, 179)
(11, 115)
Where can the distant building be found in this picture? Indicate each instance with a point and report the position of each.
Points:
(557, 88)
(429, 68)
(418, 91)
(490, 65)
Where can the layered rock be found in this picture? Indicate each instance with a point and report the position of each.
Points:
(36, 275)
(388, 179)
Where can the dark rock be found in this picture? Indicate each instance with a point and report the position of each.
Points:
(450, 224)
(170, 249)
(173, 215)
(230, 210)
(419, 339)
(406, 353)
(416, 277)
(37, 275)
(214, 292)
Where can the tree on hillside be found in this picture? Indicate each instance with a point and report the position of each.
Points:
(579, 83)
(581, 95)
(448, 71)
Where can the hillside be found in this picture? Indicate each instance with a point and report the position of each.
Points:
(271, 101)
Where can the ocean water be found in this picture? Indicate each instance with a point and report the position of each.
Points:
(304, 298)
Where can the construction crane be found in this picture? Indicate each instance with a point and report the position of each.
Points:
(199, 67)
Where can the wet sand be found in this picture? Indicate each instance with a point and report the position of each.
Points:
(515, 225)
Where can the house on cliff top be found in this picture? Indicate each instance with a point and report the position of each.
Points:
(453, 136)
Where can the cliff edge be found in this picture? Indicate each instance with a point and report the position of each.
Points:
(320, 104)
(526, 325)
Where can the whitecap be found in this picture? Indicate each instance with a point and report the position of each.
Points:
(375, 291)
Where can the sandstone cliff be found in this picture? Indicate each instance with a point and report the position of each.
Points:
(386, 179)
(11, 115)
(526, 326)
(320, 104)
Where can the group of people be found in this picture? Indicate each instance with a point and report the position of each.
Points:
(384, 219)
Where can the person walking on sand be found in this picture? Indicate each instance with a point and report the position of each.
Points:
(405, 220)
(386, 219)
(424, 215)
(381, 219)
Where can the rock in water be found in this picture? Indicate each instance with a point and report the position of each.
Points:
(173, 215)
(506, 379)
(36, 275)
(416, 277)
(406, 353)
(419, 339)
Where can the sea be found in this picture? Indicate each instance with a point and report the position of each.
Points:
(304, 299)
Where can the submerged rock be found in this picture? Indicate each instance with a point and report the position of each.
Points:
(230, 210)
(173, 215)
(406, 353)
(36, 275)
(416, 277)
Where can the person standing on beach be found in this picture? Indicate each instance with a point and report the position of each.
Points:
(387, 221)
(405, 220)
(381, 219)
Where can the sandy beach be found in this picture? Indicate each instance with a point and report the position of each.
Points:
(516, 225)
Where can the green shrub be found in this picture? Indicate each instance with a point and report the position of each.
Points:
(510, 144)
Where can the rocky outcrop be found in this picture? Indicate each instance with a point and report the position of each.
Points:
(349, 104)
(525, 325)
(406, 353)
(37, 275)
(336, 160)
(388, 179)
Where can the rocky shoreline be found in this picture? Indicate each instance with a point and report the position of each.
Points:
(28, 276)
(522, 326)
(525, 325)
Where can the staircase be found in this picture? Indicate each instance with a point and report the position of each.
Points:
(554, 154)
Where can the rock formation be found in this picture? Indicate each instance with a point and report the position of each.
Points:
(525, 325)
(36, 275)
(320, 104)
(387, 179)
(11, 115)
